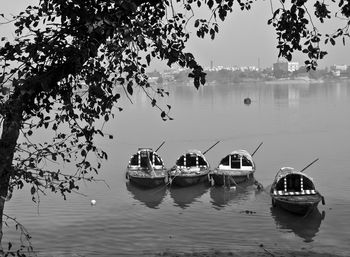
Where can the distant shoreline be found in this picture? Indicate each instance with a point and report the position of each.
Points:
(262, 253)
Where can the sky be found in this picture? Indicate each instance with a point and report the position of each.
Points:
(244, 39)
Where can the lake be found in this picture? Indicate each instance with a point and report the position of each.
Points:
(296, 123)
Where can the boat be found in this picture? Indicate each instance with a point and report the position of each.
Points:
(235, 168)
(146, 169)
(295, 192)
(190, 168)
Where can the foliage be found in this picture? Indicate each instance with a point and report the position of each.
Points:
(297, 31)
(64, 70)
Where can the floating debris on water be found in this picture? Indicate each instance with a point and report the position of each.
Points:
(247, 101)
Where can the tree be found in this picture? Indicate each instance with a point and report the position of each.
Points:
(61, 71)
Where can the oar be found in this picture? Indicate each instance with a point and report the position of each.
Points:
(309, 165)
(160, 146)
(257, 149)
(211, 147)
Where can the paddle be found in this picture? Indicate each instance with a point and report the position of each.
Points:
(211, 147)
(257, 148)
(309, 165)
(160, 146)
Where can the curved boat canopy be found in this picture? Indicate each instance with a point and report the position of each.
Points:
(192, 158)
(238, 159)
(291, 182)
(144, 156)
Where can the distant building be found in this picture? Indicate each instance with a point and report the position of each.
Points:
(280, 66)
(293, 66)
(286, 66)
(339, 67)
(338, 70)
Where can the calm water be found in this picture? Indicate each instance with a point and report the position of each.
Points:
(297, 123)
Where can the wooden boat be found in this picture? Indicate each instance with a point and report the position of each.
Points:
(191, 168)
(235, 168)
(294, 191)
(146, 169)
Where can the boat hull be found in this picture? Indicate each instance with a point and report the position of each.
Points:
(144, 178)
(230, 180)
(297, 204)
(188, 180)
(147, 182)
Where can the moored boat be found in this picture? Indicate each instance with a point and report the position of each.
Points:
(190, 168)
(146, 169)
(295, 192)
(235, 168)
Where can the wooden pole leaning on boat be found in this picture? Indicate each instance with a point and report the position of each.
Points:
(160, 146)
(211, 147)
(309, 165)
(257, 148)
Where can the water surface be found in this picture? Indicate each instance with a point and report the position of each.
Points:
(297, 123)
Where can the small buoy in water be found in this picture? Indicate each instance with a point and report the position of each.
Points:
(247, 101)
(93, 202)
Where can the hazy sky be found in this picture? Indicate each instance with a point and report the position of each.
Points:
(244, 39)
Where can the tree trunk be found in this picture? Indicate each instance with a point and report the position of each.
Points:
(8, 141)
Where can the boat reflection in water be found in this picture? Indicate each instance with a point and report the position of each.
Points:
(305, 227)
(222, 196)
(151, 198)
(184, 196)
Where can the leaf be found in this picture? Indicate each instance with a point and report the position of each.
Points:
(153, 102)
(196, 23)
(163, 114)
(129, 88)
(32, 190)
(148, 59)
